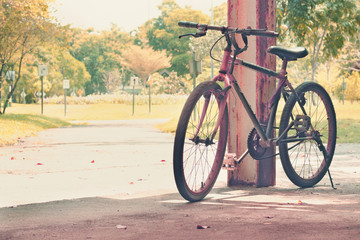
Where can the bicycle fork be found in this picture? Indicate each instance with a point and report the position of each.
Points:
(221, 97)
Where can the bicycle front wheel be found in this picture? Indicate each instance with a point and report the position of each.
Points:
(198, 153)
(301, 150)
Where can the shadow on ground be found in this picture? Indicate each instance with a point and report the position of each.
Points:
(240, 213)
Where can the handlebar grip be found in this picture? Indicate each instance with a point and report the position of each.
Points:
(188, 24)
(263, 33)
(269, 34)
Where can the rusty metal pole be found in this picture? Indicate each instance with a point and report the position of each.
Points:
(257, 88)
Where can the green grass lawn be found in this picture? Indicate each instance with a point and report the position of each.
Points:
(25, 120)
(99, 111)
(13, 127)
(16, 117)
(348, 122)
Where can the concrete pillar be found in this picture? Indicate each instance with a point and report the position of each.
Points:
(257, 88)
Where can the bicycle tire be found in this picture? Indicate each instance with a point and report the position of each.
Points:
(197, 163)
(303, 162)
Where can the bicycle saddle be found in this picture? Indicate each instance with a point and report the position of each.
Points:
(290, 54)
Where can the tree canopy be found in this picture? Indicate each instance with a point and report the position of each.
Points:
(98, 62)
(163, 33)
(321, 25)
(144, 61)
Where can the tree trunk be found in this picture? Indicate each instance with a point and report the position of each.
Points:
(14, 87)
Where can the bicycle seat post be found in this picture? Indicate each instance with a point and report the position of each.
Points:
(283, 72)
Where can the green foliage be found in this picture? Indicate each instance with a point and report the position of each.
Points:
(171, 84)
(352, 91)
(163, 32)
(92, 60)
(118, 98)
(15, 126)
(100, 53)
(322, 26)
(24, 26)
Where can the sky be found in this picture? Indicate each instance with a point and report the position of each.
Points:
(127, 14)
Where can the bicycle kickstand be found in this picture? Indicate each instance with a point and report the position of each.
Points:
(328, 170)
(332, 184)
(322, 148)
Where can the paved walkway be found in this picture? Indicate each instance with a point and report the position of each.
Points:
(113, 180)
(102, 158)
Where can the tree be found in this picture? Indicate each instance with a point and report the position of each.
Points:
(100, 52)
(203, 45)
(352, 91)
(322, 26)
(112, 81)
(349, 59)
(24, 26)
(167, 84)
(163, 33)
(144, 61)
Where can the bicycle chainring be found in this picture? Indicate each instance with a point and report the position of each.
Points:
(255, 149)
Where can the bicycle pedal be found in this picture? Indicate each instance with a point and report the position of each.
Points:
(229, 161)
(302, 123)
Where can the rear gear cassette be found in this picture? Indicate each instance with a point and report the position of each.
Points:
(254, 146)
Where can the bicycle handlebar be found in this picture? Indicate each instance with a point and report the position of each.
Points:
(188, 24)
(247, 31)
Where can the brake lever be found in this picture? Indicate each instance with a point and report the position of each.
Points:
(187, 35)
(195, 35)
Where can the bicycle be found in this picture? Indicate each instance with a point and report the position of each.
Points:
(306, 134)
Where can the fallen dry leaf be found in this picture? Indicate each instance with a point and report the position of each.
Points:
(202, 227)
(121, 227)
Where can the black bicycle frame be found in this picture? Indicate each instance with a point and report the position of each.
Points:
(266, 135)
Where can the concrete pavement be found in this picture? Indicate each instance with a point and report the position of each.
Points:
(113, 180)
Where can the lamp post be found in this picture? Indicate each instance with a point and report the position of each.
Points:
(43, 71)
(133, 82)
(149, 81)
(66, 86)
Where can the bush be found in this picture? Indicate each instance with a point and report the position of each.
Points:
(117, 99)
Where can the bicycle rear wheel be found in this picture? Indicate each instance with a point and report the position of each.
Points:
(301, 148)
(198, 156)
